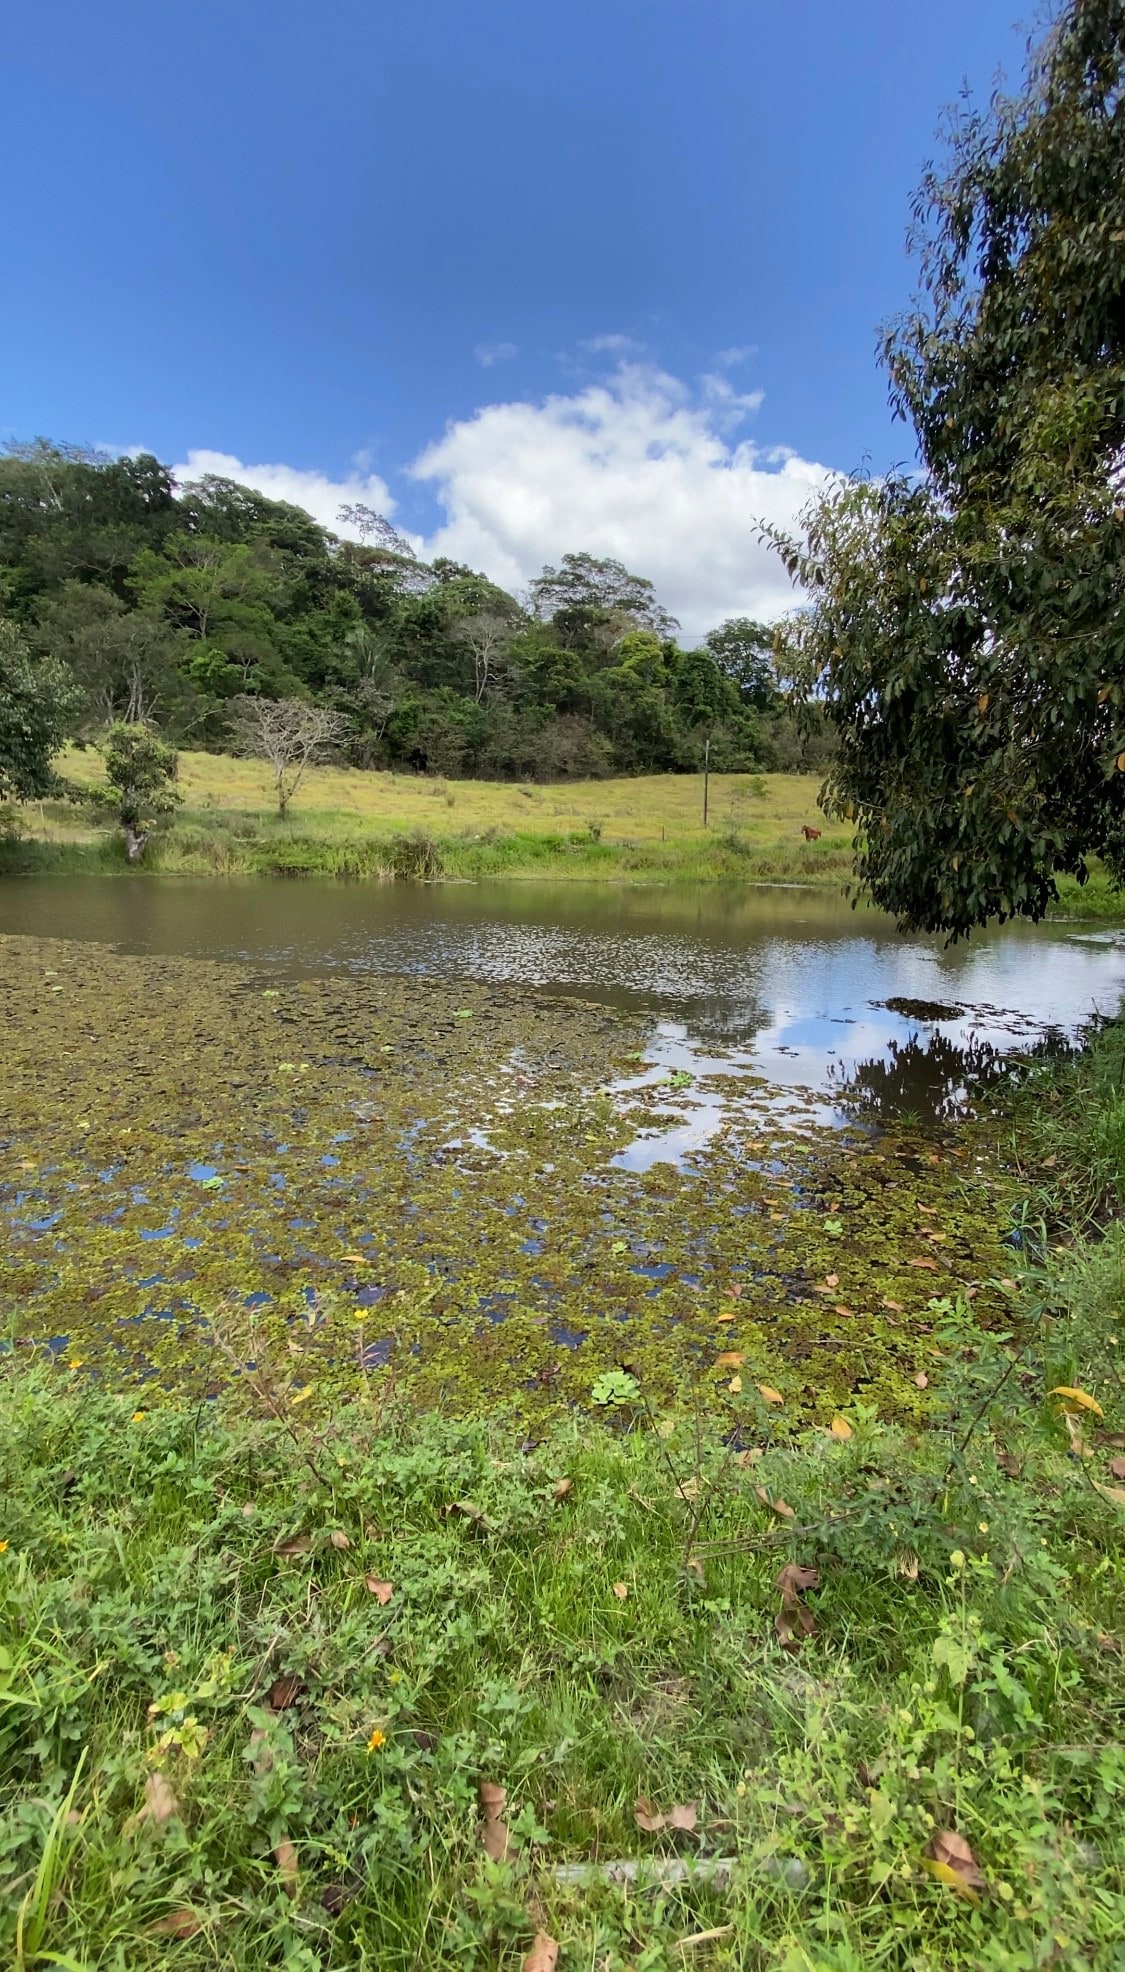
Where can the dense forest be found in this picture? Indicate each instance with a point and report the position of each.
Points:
(170, 605)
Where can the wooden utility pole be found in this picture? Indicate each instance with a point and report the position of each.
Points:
(706, 776)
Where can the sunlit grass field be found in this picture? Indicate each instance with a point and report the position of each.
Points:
(346, 821)
(768, 807)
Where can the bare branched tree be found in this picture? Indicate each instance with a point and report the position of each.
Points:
(487, 637)
(373, 529)
(291, 734)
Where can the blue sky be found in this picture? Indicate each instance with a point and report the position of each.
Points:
(532, 276)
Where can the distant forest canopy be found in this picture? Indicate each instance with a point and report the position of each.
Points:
(166, 603)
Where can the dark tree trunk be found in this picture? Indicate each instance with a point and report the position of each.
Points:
(136, 842)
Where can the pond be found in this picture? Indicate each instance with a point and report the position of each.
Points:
(498, 1139)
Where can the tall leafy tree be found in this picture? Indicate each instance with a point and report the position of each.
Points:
(37, 697)
(966, 635)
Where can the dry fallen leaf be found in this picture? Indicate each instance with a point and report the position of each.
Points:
(931, 1266)
(749, 1457)
(1117, 1467)
(1114, 1493)
(468, 1510)
(771, 1395)
(896, 1306)
(831, 1280)
(793, 1621)
(922, 1380)
(285, 1856)
(649, 1817)
(339, 1539)
(735, 1385)
(285, 1691)
(735, 1288)
(299, 1544)
(793, 1580)
(543, 1956)
(177, 1924)
(907, 1565)
(620, 1591)
(730, 1359)
(382, 1591)
(777, 1505)
(840, 1428)
(160, 1804)
(561, 1488)
(494, 1833)
(952, 1861)
(793, 1625)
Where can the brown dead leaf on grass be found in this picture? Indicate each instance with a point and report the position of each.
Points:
(296, 1544)
(285, 1856)
(749, 1457)
(649, 1817)
(469, 1510)
(285, 1691)
(793, 1621)
(730, 1359)
(840, 1428)
(561, 1488)
(771, 1395)
(922, 1380)
(160, 1804)
(952, 1861)
(177, 1924)
(339, 1539)
(544, 1954)
(621, 1591)
(1117, 1467)
(930, 1266)
(831, 1280)
(382, 1591)
(775, 1505)
(495, 1839)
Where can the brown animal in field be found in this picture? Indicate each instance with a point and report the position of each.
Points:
(810, 835)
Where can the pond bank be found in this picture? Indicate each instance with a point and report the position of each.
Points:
(268, 1662)
(202, 849)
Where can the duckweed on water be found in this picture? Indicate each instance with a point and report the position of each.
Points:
(404, 1193)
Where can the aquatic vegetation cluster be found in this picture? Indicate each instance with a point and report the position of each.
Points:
(458, 1188)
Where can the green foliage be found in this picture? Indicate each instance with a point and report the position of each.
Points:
(36, 701)
(140, 769)
(167, 610)
(966, 637)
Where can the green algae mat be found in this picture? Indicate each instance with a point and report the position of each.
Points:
(430, 1184)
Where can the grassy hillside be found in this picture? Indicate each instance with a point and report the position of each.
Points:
(353, 823)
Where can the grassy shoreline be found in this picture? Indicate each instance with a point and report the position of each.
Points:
(262, 1667)
(382, 827)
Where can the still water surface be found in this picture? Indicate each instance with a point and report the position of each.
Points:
(786, 984)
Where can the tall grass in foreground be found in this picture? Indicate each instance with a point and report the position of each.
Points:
(817, 1701)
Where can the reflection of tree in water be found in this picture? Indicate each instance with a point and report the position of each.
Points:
(721, 1023)
(937, 1081)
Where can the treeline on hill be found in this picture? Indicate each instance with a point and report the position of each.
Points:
(166, 604)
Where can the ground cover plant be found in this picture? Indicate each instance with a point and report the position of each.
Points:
(748, 1625)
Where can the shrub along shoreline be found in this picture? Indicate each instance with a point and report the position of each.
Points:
(366, 1688)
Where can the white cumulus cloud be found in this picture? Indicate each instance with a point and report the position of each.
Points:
(316, 492)
(636, 466)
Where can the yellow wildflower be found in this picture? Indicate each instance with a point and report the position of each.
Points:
(377, 1741)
